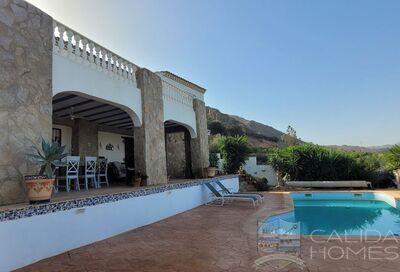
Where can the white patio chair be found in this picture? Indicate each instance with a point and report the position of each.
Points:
(72, 173)
(90, 172)
(102, 169)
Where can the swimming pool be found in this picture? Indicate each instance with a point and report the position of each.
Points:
(366, 214)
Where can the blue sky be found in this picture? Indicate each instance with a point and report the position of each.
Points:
(330, 69)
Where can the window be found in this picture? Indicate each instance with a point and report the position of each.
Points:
(56, 136)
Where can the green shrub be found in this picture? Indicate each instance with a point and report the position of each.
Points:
(235, 131)
(309, 162)
(234, 150)
(214, 144)
(213, 158)
(216, 127)
(261, 158)
(261, 184)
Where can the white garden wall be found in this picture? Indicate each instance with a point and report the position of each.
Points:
(260, 171)
(30, 239)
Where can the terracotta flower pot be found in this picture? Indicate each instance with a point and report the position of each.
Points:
(211, 172)
(39, 188)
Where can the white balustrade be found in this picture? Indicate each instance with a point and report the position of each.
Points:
(173, 93)
(68, 42)
(95, 55)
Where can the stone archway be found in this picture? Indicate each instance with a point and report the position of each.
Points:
(178, 150)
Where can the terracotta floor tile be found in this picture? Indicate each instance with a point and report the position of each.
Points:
(205, 239)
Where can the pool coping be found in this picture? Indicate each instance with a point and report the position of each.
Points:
(65, 205)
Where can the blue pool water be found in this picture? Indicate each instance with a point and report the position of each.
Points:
(344, 217)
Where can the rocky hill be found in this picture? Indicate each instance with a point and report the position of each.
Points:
(260, 135)
(370, 149)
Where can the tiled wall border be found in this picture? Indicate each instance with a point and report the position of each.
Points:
(41, 209)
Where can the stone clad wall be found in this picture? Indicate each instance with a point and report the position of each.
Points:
(84, 139)
(149, 139)
(199, 145)
(25, 91)
(176, 161)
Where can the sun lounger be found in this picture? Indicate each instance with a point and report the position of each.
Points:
(222, 198)
(259, 196)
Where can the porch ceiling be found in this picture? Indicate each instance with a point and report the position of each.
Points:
(73, 106)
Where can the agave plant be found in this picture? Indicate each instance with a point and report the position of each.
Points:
(48, 157)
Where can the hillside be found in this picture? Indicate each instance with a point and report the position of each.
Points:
(260, 135)
(370, 149)
(263, 136)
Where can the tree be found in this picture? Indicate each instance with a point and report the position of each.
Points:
(290, 138)
(235, 151)
(217, 127)
(214, 144)
(392, 158)
(235, 131)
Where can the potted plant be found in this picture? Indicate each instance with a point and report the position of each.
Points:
(137, 179)
(143, 178)
(48, 157)
(212, 169)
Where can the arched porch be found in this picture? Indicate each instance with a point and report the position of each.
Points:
(93, 127)
(178, 150)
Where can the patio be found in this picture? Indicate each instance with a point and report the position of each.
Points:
(206, 238)
(118, 188)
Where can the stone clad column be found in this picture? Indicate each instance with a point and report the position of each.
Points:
(84, 139)
(25, 92)
(149, 139)
(199, 145)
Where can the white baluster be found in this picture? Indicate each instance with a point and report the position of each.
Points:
(84, 49)
(96, 55)
(129, 69)
(118, 67)
(77, 48)
(108, 64)
(91, 57)
(69, 41)
(124, 72)
(119, 71)
(101, 52)
(115, 69)
(61, 30)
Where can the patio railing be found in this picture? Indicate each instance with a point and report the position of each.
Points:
(69, 43)
(173, 93)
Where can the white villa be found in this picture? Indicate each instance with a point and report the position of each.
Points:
(57, 84)
(60, 85)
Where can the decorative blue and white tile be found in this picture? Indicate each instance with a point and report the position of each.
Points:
(41, 209)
